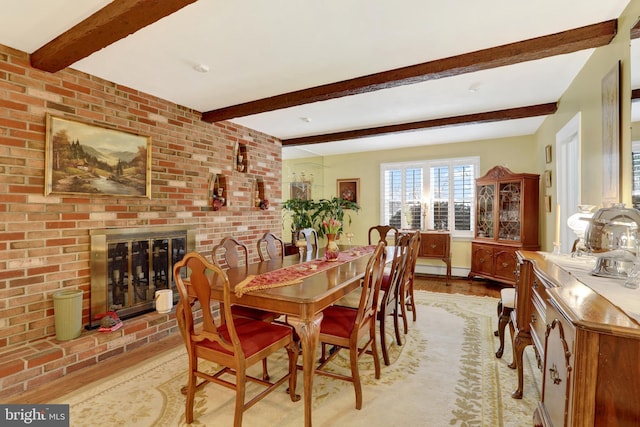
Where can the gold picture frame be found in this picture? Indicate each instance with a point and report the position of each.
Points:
(300, 190)
(547, 153)
(547, 178)
(83, 158)
(611, 136)
(348, 189)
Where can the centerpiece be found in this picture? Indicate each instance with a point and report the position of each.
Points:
(331, 227)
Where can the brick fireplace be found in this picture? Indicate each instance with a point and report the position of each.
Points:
(129, 264)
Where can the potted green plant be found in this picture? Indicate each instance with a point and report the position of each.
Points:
(335, 208)
(300, 212)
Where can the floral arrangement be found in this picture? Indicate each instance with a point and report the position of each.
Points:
(331, 226)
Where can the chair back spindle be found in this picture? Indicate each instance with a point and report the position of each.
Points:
(384, 233)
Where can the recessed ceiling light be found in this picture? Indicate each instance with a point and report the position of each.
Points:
(305, 119)
(201, 68)
(474, 88)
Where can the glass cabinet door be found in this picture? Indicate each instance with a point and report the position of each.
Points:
(485, 224)
(509, 217)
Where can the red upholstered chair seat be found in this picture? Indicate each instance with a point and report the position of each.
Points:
(254, 335)
(385, 281)
(338, 321)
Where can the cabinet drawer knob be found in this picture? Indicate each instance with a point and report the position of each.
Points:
(505, 264)
(534, 318)
(433, 246)
(553, 375)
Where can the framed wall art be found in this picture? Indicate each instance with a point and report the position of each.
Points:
(547, 154)
(547, 178)
(300, 190)
(348, 189)
(611, 136)
(92, 160)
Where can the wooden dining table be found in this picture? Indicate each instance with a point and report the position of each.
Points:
(302, 303)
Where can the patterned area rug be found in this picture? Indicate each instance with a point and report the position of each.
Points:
(445, 374)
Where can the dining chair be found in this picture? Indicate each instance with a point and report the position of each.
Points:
(234, 345)
(231, 253)
(391, 289)
(347, 328)
(311, 236)
(409, 300)
(270, 247)
(386, 233)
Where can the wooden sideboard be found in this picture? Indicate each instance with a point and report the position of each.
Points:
(436, 245)
(589, 349)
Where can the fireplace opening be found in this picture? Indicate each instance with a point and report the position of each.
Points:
(128, 265)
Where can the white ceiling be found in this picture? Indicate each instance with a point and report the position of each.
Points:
(256, 49)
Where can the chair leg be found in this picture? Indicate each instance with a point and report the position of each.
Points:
(403, 309)
(495, 333)
(241, 383)
(374, 350)
(382, 315)
(293, 351)
(355, 374)
(413, 302)
(410, 300)
(191, 392)
(265, 372)
(512, 332)
(396, 323)
(503, 320)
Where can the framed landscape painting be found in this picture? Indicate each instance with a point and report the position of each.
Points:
(96, 161)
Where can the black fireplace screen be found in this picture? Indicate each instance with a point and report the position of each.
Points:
(128, 268)
(135, 272)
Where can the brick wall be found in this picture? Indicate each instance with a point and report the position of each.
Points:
(44, 240)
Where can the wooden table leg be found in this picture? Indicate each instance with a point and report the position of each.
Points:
(448, 277)
(309, 332)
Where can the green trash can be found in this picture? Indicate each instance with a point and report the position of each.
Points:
(67, 309)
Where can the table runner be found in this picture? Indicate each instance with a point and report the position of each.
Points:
(294, 274)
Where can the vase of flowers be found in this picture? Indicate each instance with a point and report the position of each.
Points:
(331, 228)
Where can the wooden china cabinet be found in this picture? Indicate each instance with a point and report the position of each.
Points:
(506, 220)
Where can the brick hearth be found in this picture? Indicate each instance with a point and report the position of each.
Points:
(27, 366)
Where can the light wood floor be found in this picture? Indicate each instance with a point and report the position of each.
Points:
(48, 392)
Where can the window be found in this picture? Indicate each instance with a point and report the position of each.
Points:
(418, 195)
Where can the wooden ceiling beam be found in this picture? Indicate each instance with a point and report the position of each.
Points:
(635, 30)
(478, 118)
(113, 22)
(587, 37)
